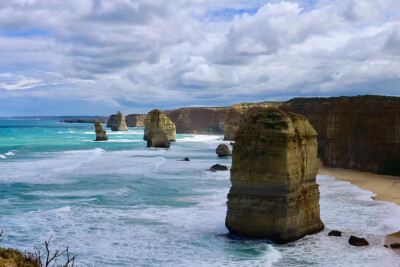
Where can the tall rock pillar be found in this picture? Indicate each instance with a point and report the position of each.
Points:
(274, 193)
(159, 129)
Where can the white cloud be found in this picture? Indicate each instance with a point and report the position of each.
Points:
(166, 51)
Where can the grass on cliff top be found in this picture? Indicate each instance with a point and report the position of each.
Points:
(341, 98)
(12, 257)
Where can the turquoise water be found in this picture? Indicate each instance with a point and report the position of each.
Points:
(118, 203)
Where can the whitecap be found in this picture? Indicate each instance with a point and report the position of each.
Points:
(201, 138)
(9, 153)
(2, 156)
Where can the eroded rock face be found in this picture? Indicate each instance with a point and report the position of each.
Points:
(274, 193)
(237, 114)
(159, 129)
(361, 132)
(158, 139)
(198, 120)
(117, 122)
(101, 134)
(135, 120)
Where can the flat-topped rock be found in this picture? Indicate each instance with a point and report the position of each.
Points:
(274, 193)
(117, 122)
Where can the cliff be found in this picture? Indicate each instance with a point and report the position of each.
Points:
(237, 114)
(274, 193)
(85, 120)
(361, 132)
(198, 120)
(159, 129)
(117, 122)
(135, 120)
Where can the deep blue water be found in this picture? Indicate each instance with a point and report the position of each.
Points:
(118, 203)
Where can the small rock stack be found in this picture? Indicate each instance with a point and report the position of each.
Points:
(117, 122)
(159, 129)
(101, 134)
(274, 193)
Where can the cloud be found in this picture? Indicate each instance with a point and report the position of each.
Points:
(124, 53)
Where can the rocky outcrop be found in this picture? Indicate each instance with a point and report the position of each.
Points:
(361, 132)
(218, 167)
(101, 134)
(237, 114)
(117, 122)
(135, 120)
(335, 233)
(358, 241)
(274, 193)
(159, 129)
(198, 120)
(223, 151)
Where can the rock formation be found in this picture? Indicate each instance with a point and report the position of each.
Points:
(159, 129)
(358, 241)
(135, 120)
(237, 114)
(361, 132)
(223, 151)
(117, 122)
(198, 120)
(218, 167)
(101, 134)
(335, 233)
(274, 193)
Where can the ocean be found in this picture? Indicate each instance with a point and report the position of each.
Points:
(118, 203)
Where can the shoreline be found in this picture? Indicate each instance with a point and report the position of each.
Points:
(386, 188)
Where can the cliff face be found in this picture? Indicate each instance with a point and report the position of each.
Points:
(101, 134)
(198, 120)
(360, 132)
(117, 122)
(135, 120)
(274, 194)
(158, 127)
(237, 114)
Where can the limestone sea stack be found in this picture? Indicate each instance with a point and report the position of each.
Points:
(101, 134)
(159, 129)
(117, 122)
(237, 114)
(274, 193)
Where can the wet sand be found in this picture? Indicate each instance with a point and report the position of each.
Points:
(386, 188)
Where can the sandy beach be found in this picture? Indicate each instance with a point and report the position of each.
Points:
(386, 188)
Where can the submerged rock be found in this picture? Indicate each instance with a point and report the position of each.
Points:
(218, 167)
(395, 245)
(159, 129)
(101, 134)
(358, 241)
(274, 193)
(335, 233)
(223, 151)
(117, 122)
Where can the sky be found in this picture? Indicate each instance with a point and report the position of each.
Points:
(94, 57)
